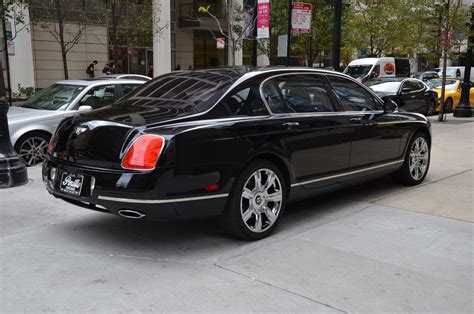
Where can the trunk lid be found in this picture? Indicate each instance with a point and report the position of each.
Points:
(95, 143)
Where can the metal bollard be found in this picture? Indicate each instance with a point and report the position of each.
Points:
(12, 168)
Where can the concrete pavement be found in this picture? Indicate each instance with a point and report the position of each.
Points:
(376, 247)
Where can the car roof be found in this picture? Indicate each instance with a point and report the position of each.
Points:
(119, 75)
(90, 82)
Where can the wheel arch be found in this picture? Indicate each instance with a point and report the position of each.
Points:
(47, 133)
(278, 161)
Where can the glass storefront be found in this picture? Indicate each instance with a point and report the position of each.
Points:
(206, 51)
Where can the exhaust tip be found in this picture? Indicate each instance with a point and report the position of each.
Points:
(131, 214)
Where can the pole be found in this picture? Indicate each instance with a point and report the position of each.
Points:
(464, 108)
(7, 63)
(442, 115)
(336, 35)
(254, 32)
(288, 40)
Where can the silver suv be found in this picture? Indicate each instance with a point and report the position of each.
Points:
(32, 123)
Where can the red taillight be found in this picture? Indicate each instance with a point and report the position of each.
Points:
(143, 153)
(52, 143)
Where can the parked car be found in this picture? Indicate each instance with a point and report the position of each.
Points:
(425, 76)
(455, 72)
(236, 143)
(380, 80)
(32, 123)
(409, 94)
(452, 94)
(137, 77)
(366, 69)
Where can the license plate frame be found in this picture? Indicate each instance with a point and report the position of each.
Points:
(71, 183)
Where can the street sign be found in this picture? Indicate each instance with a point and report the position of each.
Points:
(263, 19)
(301, 17)
(282, 45)
(220, 43)
(443, 41)
(11, 48)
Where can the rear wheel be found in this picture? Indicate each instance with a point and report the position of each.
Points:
(32, 147)
(417, 161)
(448, 105)
(256, 202)
(431, 109)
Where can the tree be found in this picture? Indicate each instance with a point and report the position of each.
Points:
(126, 17)
(66, 21)
(13, 11)
(237, 26)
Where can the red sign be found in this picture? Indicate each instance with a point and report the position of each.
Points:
(263, 19)
(301, 17)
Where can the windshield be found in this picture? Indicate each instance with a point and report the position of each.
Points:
(358, 71)
(54, 97)
(189, 91)
(449, 72)
(389, 87)
(450, 84)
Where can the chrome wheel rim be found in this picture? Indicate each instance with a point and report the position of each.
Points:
(419, 157)
(261, 200)
(33, 150)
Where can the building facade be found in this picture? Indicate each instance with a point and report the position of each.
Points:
(156, 36)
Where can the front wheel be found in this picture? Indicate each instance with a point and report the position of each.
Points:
(431, 109)
(417, 161)
(32, 147)
(256, 203)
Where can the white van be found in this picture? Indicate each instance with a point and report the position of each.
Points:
(369, 68)
(456, 72)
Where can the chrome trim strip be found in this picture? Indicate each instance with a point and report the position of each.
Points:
(175, 200)
(348, 173)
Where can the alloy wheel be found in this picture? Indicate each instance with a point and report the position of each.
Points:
(32, 150)
(261, 200)
(419, 158)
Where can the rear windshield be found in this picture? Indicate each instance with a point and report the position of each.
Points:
(187, 91)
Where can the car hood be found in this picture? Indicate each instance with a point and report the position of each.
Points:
(18, 115)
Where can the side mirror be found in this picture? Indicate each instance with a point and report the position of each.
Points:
(84, 108)
(390, 106)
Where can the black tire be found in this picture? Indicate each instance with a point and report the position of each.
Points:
(431, 109)
(405, 175)
(448, 105)
(232, 219)
(36, 154)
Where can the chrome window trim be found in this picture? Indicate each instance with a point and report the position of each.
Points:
(343, 174)
(163, 201)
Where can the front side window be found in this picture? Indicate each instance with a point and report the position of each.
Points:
(297, 94)
(99, 96)
(352, 96)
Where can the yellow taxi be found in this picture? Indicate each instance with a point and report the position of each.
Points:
(452, 93)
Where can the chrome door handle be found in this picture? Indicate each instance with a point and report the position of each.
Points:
(291, 125)
(356, 120)
(413, 96)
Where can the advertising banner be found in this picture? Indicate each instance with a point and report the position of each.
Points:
(263, 19)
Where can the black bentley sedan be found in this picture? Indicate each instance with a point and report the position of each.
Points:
(233, 143)
(410, 95)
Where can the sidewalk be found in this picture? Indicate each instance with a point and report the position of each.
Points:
(376, 247)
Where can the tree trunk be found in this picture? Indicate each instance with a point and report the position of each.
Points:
(3, 90)
(61, 38)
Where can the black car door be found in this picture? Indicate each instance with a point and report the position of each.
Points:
(315, 137)
(413, 97)
(375, 137)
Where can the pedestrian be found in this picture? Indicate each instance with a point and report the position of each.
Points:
(90, 69)
(107, 70)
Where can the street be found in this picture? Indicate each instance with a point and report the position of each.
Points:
(376, 247)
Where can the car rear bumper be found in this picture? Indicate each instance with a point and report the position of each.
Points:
(133, 195)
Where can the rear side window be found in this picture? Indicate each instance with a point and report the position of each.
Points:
(127, 88)
(352, 96)
(297, 94)
(243, 102)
